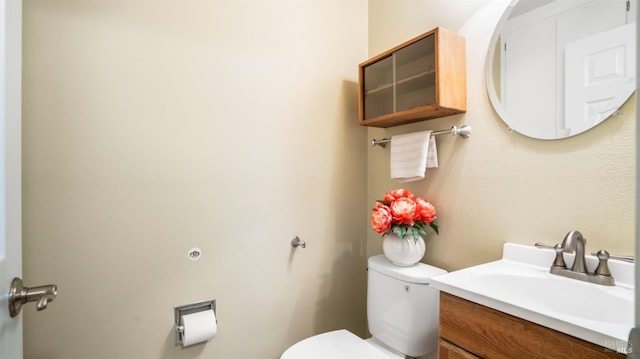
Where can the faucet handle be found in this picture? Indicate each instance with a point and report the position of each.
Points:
(544, 246)
(630, 259)
(559, 260)
(603, 267)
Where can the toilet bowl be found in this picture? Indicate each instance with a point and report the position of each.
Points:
(402, 312)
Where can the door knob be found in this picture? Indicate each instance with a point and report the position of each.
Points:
(19, 295)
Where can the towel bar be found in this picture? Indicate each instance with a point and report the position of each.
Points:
(463, 131)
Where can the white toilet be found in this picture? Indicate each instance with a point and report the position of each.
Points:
(402, 312)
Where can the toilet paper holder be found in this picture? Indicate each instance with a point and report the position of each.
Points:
(182, 310)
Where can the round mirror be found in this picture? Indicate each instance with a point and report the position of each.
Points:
(558, 68)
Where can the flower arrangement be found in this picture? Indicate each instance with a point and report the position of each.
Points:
(403, 213)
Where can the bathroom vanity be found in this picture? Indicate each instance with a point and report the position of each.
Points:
(516, 308)
(470, 331)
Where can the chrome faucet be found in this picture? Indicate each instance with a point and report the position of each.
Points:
(575, 242)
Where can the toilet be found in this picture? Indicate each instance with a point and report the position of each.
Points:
(402, 312)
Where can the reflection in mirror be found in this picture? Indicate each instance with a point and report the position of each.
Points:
(558, 68)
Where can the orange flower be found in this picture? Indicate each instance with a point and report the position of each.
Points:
(381, 218)
(403, 210)
(425, 211)
(398, 193)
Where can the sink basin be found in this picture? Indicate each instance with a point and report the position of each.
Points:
(520, 284)
(584, 301)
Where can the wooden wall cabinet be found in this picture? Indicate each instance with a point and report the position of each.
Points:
(471, 331)
(421, 79)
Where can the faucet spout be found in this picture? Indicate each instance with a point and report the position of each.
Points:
(575, 242)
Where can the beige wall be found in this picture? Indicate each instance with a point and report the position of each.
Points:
(498, 186)
(151, 127)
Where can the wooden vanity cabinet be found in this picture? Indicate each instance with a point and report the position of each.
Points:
(447, 350)
(470, 331)
(423, 78)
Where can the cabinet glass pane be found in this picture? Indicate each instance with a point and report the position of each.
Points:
(418, 92)
(379, 104)
(415, 74)
(378, 88)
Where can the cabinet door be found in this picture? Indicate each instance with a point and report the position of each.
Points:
(493, 334)
(415, 75)
(447, 350)
(379, 88)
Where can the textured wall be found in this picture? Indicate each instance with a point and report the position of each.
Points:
(498, 186)
(151, 127)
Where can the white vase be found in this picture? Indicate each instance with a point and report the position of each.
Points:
(403, 252)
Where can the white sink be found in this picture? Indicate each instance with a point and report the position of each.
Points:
(520, 284)
(582, 301)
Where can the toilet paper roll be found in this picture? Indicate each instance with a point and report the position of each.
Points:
(199, 327)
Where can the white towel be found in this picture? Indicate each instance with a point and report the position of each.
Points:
(412, 154)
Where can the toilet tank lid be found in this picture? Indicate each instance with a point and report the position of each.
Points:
(418, 273)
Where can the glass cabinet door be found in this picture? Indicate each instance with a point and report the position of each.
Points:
(378, 88)
(415, 75)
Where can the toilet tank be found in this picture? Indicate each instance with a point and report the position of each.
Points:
(402, 308)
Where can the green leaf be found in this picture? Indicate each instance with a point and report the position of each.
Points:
(419, 226)
(435, 227)
(415, 234)
(402, 231)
